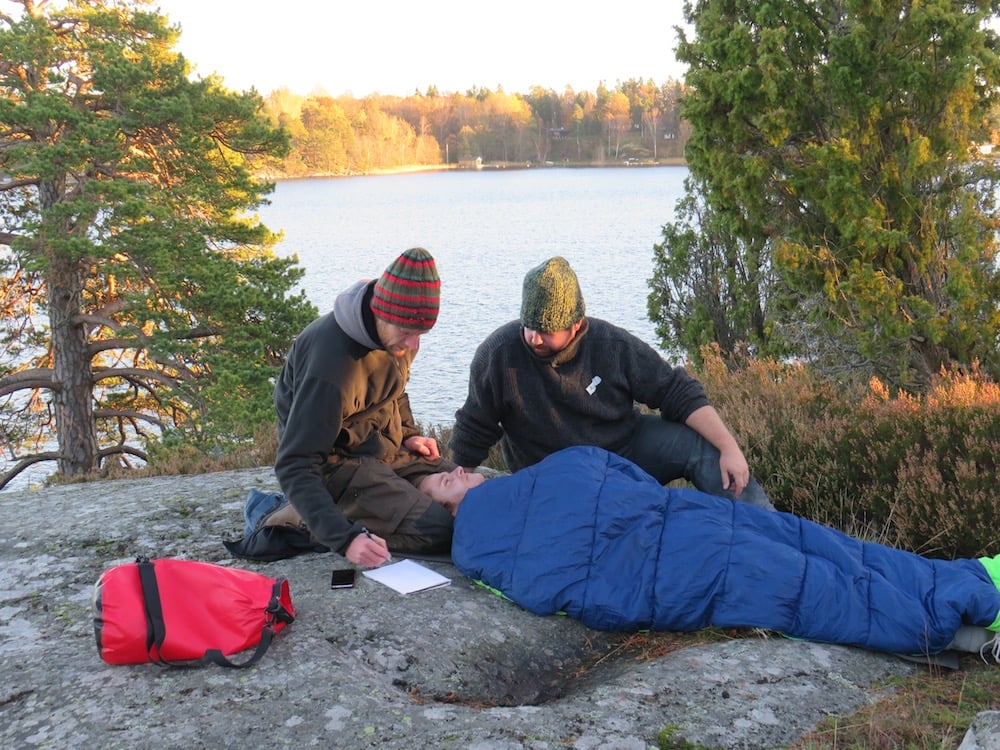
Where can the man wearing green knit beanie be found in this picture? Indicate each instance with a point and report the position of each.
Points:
(551, 300)
(557, 378)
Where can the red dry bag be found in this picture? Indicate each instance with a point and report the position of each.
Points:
(173, 612)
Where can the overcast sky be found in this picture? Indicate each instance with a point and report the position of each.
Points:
(400, 46)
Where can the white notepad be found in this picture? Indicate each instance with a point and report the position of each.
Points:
(407, 576)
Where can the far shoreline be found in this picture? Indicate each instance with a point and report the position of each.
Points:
(490, 167)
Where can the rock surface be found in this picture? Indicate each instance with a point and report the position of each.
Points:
(984, 734)
(456, 667)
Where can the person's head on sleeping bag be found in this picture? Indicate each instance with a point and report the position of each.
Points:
(449, 487)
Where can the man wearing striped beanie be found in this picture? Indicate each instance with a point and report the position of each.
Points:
(350, 454)
(407, 294)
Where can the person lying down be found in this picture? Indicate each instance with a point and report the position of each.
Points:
(588, 533)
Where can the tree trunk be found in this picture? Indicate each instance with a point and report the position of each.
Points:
(72, 396)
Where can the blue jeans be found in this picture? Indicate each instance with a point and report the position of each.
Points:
(669, 451)
(258, 504)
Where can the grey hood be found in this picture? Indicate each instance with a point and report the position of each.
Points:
(347, 310)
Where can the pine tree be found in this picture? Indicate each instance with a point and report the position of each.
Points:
(139, 293)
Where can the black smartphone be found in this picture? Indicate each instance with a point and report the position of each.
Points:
(342, 578)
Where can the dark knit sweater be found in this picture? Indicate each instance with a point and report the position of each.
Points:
(339, 392)
(583, 395)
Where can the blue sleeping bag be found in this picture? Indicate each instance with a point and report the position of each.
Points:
(589, 533)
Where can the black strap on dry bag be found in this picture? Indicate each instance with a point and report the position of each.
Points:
(156, 630)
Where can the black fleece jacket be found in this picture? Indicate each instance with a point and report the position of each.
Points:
(583, 395)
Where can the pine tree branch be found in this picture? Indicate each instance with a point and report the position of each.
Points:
(129, 414)
(26, 462)
(124, 449)
(39, 377)
(136, 375)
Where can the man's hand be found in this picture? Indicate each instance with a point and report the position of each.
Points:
(705, 420)
(367, 550)
(735, 471)
(425, 446)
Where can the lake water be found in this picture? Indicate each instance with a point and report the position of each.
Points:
(485, 230)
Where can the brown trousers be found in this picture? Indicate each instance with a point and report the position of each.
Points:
(383, 497)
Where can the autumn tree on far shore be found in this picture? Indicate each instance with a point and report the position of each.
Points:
(634, 120)
(138, 297)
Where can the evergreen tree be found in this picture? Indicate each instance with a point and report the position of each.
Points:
(834, 148)
(706, 283)
(138, 294)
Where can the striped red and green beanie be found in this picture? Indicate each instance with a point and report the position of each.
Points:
(408, 292)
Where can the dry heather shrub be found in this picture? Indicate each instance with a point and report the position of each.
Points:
(791, 426)
(947, 501)
(912, 471)
(180, 456)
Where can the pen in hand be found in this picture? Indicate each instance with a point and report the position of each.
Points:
(368, 534)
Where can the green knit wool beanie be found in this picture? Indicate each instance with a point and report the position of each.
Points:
(551, 300)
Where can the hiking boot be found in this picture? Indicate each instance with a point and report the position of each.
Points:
(285, 515)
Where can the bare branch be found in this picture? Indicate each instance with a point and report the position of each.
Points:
(128, 414)
(25, 462)
(14, 184)
(197, 333)
(97, 320)
(124, 449)
(103, 345)
(39, 377)
(134, 375)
